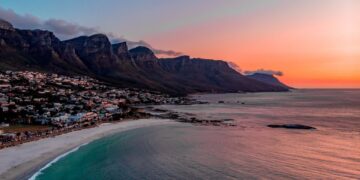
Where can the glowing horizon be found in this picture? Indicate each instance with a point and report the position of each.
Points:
(317, 50)
(316, 43)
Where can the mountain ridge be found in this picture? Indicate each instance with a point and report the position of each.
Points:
(97, 57)
(269, 79)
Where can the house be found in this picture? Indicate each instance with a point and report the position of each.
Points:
(4, 108)
(89, 116)
(112, 109)
(5, 87)
(42, 120)
(57, 105)
(75, 118)
(61, 118)
(3, 100)
(30, 107)
(4, 125)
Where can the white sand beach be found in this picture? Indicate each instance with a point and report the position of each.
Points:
(20, 162)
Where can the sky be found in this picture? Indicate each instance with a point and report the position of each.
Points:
(313, 43)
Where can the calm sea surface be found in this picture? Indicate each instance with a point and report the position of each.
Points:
(249, 151)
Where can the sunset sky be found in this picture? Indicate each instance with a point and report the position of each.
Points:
(315, 43)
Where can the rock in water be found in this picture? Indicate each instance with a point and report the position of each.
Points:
(291, 126)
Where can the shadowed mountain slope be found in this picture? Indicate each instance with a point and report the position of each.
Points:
(268, 79)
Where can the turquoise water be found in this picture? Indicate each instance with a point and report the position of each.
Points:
(248, 151)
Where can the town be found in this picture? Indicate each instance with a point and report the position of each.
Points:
(36, 105)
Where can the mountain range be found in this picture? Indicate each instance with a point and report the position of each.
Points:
(97, 57)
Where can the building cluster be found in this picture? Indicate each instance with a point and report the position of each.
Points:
(66, 102)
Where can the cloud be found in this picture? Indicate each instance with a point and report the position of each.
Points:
(234, 66)
(61, 28)
(21, 21)
(66, 30)
(134, 44)
(263, 71)
(167, 52)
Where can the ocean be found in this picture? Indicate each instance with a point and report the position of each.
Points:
(250, 150)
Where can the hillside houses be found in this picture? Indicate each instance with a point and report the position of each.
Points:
(67, 102)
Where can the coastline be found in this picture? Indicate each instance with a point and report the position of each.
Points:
(22, 161)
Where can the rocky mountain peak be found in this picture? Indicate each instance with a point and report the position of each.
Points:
(39, 37)
(183, 58)
(141, 49)
(120, 48)
(142, 53)
(97, 42)
(6, 25)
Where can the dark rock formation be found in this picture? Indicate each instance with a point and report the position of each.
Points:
(143, 54)
(291, 126)
(189, 118)
(121, 51)
(268, 79)
(213, 76)
(96, 53)
(6, 25)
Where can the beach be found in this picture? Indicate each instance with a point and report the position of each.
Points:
(22, 161)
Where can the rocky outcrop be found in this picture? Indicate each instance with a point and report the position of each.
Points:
(291, 126)
(6, 25)
(121, 51)
(146, 60)
(142, 54)
(96, 53)
(120, 48)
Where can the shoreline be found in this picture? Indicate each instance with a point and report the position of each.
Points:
(22, 161)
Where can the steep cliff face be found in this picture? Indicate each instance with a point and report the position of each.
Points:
(142, 54)
(70, 56)
(96, 53)
(6, 25)
(123, 56)
(30, 49)
(41, 45)
(139, 67)
(145, 59)
(121, 51)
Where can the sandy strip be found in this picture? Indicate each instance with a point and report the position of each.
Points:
(20, 162)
